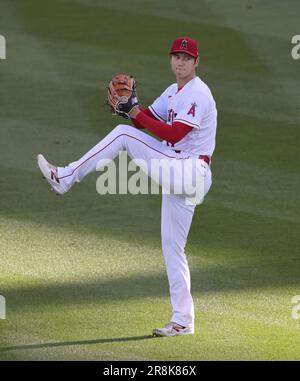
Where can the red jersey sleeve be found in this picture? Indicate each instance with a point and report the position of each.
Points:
(147, 112)
(172, 134)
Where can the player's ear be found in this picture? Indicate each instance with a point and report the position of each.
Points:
(196, 62)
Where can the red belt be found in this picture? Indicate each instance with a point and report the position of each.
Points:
(205, 158)
(202, 157)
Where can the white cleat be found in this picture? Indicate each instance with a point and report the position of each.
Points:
(173, 329)
(49, 172)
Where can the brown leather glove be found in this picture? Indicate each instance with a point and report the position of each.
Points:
(121, 95)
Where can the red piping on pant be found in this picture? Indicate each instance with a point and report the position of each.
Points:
(172, 157)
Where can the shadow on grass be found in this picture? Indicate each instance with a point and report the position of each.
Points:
(79, 342)
(232, 278)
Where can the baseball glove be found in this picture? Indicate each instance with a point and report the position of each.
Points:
(121, 95)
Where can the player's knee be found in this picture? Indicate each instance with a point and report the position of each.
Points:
(123, 128)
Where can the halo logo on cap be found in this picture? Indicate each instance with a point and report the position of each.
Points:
(183, 44)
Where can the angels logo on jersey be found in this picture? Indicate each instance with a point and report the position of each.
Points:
(171, 115)
(192, 109)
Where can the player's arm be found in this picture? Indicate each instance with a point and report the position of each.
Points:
(172, 134)
(146, 111)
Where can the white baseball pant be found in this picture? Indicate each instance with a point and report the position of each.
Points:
(177, 209)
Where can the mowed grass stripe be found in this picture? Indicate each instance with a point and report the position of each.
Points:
(68, 22)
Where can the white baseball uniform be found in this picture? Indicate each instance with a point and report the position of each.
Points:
(192, 105)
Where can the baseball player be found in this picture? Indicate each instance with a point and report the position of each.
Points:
(183, 120)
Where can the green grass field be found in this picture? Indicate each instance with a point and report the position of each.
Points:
(83, 274)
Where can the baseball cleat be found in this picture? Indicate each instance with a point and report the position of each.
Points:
(173, 329)
(49, 172)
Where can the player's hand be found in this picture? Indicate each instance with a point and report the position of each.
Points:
(121, 95)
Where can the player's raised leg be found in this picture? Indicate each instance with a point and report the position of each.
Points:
(137, 144)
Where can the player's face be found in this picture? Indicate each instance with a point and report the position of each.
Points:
(183, 65)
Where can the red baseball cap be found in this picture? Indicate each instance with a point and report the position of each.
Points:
(185, 45)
